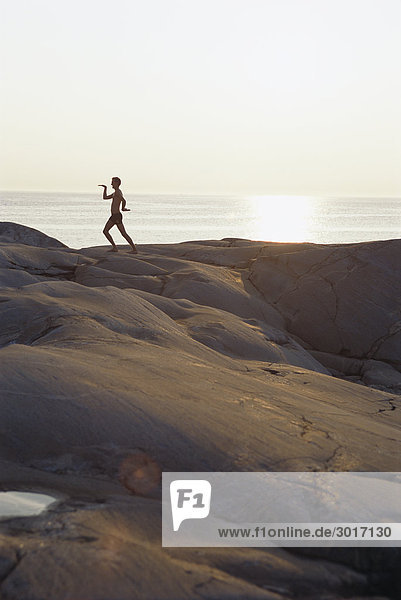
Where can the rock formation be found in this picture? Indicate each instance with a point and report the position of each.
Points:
(201, 356)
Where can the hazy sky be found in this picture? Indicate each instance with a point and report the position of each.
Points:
(202, 96)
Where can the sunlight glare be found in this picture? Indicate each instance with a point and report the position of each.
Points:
(281, 218)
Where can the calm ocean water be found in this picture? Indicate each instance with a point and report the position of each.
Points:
(77, 219)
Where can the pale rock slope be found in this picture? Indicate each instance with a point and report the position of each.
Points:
(201, 356)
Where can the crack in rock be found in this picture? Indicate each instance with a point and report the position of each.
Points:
(392, 407)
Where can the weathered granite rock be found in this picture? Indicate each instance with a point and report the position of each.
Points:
(112, 549)
(91, 276)
(17, 278)
(188, 364)
(35, 261)
(340, 299)
(381, 375)
(116, 367)
(13, 232)
(342, 364)
(226, 333)
(208, 285)
(369, 372)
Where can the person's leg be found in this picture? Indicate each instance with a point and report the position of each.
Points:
(127, 237)
(106, 230)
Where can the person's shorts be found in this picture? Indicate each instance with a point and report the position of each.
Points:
(115, 219)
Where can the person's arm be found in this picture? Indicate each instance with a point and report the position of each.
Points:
(105, 196)
(124, 204)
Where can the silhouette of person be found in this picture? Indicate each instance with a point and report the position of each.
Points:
(116, 216)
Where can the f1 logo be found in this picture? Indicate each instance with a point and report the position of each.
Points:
(190, 499)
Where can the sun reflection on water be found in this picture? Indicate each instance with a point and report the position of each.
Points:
(281, 218)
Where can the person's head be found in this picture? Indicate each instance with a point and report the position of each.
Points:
(115, 182)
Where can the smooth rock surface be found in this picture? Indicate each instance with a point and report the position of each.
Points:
(339, 299)
(182, 358)
(13, 232)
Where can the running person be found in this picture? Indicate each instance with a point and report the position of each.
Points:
(116, 216)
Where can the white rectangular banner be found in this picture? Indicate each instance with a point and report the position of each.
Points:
(282, 509)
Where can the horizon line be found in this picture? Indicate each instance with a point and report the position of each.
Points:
(211, 194)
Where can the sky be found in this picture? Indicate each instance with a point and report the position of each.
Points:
(202, 96)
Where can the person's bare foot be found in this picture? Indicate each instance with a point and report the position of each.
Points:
(113, 250)
(133, 252)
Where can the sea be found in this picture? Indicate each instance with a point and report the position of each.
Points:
(77, 219)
